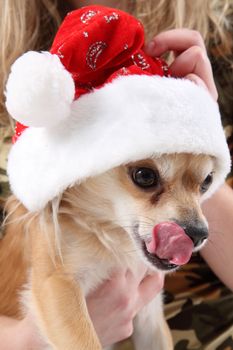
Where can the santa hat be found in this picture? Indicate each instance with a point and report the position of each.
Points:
(96, 101)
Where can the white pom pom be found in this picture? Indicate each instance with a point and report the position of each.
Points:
(39, 91)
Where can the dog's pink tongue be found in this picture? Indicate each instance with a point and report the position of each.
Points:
(170, 242)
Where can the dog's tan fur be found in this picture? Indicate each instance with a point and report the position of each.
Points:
(78, 239)
(14, 262)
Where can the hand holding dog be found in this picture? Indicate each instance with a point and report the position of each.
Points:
(115, 303)
(112, 308)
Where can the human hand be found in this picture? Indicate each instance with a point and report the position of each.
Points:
(112, 308)
(190, 56)
(115, 303)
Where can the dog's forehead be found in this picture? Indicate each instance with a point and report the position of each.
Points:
(173, 165)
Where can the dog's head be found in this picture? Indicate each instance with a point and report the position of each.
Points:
(157, 202)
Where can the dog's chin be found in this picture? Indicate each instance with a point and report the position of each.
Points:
(156, 262)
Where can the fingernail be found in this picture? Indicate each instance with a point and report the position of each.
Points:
(150, 46)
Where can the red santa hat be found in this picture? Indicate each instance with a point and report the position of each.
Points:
(96, 101)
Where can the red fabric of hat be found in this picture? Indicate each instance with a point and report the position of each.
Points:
(97, 44)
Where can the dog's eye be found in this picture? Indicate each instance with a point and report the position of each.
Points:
(145, 177)
(206, 183)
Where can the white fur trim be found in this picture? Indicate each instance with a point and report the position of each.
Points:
(130, 119)
(39, 91)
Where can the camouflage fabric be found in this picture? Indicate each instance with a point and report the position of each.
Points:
(198, 307)
(5, 143)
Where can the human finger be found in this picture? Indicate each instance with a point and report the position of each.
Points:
(195, 61)
(135, 277)
(177, 40)
(149, 288)
(198, 81)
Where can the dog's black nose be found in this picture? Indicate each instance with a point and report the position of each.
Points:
(197, 233)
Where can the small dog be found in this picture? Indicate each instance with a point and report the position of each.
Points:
(88, 112)
(146, 211)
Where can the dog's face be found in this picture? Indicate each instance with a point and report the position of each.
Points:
(157, 202)
(162, 198)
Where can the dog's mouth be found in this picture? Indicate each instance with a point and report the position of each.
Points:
(161, 264)
(169, 246)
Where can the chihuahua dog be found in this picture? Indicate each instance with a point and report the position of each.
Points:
(147, 211)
